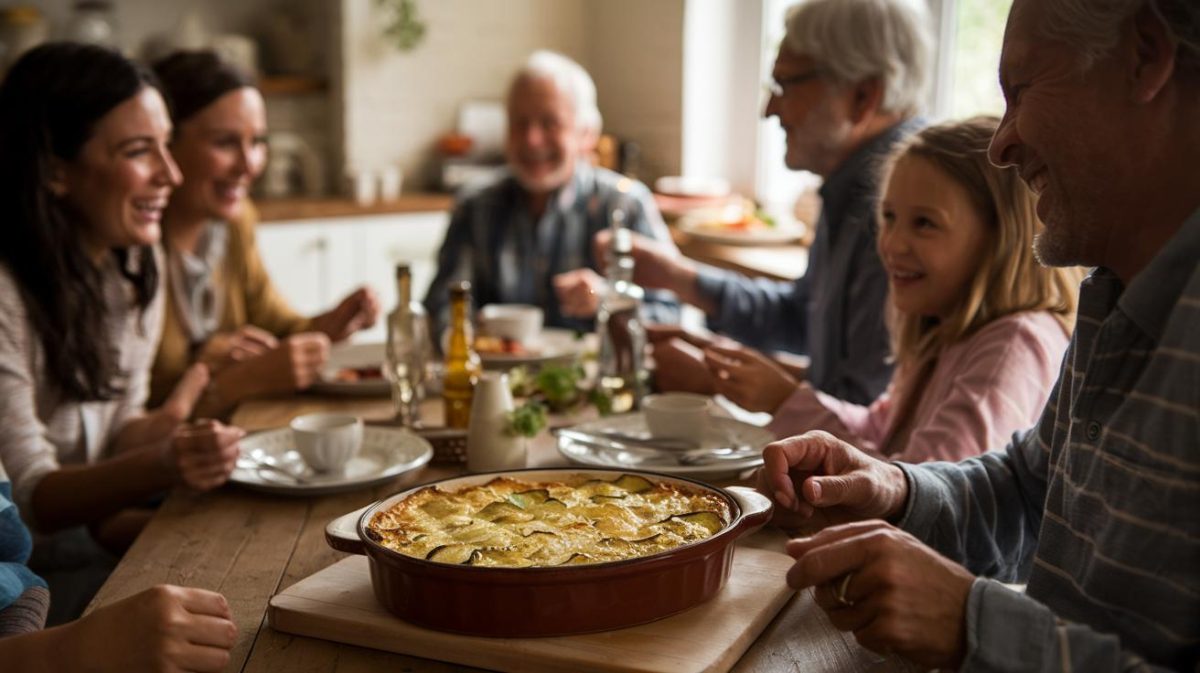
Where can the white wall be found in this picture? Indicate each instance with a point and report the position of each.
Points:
(635, 53)
(395, 104)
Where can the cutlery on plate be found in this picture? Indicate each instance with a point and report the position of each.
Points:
(689, 457)
(251, 463)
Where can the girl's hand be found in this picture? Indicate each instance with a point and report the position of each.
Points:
(165, 628)
(748, 378)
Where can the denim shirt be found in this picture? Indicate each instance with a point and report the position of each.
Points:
(834, 313)
(15, 545)
(494, 242)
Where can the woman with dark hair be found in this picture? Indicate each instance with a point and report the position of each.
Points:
(222, 309)
(84, 181)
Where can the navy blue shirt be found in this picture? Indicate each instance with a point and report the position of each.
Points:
(834, 313)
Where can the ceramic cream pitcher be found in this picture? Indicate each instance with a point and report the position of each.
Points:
(489, 445)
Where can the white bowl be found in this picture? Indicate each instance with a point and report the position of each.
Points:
(520, 322)
(327, 441)
(677, 416)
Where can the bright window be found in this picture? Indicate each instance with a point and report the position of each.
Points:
(965, 84)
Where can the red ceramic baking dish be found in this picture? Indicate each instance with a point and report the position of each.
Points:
(549, 601)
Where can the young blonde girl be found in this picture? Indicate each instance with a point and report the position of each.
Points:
(979, 327)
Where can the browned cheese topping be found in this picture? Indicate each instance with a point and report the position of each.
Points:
(517, 524)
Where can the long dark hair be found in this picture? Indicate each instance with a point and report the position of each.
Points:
(192, 80)
(49, 104)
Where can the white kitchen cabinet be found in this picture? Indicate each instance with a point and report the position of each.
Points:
(314, 263)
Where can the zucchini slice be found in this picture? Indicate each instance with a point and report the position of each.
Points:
(711, 521)
(632, 483)
(526, 499)
(452, 553)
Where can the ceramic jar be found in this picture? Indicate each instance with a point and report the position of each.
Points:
(489, 445)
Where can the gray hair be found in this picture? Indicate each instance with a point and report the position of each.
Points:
(569, 78)
(1093, 26)
(856, 40)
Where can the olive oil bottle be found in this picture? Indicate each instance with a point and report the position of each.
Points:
(462, 362)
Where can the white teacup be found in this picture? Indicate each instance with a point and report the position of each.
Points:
(520, 322)
(677, 416)
(327, 441)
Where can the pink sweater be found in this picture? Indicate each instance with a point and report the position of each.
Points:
(981, 391)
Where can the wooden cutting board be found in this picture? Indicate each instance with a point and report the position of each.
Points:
(337, 604)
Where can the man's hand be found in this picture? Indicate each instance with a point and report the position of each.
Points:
(895, 594)
(203, 455)
(748, 378)
(679, 367)
(816, 480)
(225, 348)
(359, 310)
(165, 628)
(579, 292)
(656, 265)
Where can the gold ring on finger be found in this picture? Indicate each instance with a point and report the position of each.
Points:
(840, 592)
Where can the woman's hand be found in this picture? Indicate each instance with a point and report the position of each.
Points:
(225, 348)
(165, 628)
(359, 310)
(202, 455)
(748, 378)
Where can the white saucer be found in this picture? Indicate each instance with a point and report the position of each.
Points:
(385, 453)
(554, 343)
(721, 432)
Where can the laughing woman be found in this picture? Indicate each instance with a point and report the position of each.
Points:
(222, 309)
(85, 176)
(979, 327)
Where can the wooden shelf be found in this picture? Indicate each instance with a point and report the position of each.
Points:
(305, 208)
(291, 85)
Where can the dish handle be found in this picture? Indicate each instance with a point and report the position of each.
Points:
(342, 532)
(756, 509)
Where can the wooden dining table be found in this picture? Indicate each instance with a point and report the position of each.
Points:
(250, 546)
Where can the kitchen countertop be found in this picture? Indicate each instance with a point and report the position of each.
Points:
(309, 208)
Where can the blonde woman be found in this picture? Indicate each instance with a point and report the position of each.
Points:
(978, 326)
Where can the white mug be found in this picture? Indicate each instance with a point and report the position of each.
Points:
(677, 416)
(327, 441)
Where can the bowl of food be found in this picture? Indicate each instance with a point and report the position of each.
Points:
(539, 552)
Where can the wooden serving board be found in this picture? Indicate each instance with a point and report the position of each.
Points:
(337, 604)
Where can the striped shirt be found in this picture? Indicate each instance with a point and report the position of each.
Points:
(1098, 507)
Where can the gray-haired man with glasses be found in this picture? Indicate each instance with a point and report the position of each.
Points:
(846, 86)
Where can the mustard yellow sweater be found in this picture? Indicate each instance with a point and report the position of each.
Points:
(249, 299)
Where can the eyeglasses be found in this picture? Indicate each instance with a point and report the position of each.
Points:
(779, 87)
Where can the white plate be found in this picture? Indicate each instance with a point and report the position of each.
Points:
(385, 453)
(696, 225)
(554, 343)
(721, 432)
(355, 356)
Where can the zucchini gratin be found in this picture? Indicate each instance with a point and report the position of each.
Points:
(517, 524)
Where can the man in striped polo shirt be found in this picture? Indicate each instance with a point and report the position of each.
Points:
(1098, 507)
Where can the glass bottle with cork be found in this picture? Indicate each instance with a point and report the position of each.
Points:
(622, 376)
(408, 350)
(462, 362)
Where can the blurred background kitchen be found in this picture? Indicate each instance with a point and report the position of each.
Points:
(380, 109)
